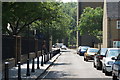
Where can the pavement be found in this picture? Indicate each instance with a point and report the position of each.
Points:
(13, 72)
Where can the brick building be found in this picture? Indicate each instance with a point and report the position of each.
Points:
(111, 24)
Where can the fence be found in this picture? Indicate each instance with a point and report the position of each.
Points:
(13, 45)
(8, 47)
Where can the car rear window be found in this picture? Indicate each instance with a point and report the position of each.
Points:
(93, 50)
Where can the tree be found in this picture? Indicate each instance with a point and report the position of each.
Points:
(70, 9)
(22, 14)
(48, 18)
(91, 21)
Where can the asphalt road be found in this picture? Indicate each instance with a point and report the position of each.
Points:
(71, 65)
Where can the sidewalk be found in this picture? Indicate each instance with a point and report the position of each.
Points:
(13, 72)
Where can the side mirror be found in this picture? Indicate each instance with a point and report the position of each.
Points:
(114, 58)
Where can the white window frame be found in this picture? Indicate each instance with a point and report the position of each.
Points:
(118, 24)
(116, 44)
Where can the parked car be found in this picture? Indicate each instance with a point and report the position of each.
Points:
(107, 61)
(57, 45)
(64, 47)
(116, 68)
(82, 49)
(97, 63)
(78, 49)
(89, 54)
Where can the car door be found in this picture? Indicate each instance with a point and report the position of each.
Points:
(96, 57)
(116, 66)
(104, 59)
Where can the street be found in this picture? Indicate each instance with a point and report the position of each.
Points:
(71, 65)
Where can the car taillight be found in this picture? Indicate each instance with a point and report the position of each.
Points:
(100, 57)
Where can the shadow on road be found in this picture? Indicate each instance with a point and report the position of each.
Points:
(89, 61)
(62, 63)
(65, 51)
(56, 75)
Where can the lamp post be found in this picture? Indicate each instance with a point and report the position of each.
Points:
(28, 69)
(36, 49)
(100, 38)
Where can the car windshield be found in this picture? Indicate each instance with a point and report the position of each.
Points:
(113, 53)
(93, 50)
(103, 51)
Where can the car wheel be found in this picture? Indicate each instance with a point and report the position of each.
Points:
(100, 66)
(103, 70)
(114, 77)
(84, 59)
(107, 73)
(97, 67)
(94, 64)
(80, 54)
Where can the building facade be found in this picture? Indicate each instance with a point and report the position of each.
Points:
(111, 24)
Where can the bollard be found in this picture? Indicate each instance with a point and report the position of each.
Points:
(28, 69)
(19, 71)
(38, 67)
(47, 56)
(6, 71)
(59, 51)
(54, 53)
(33, 68)
(50, 55)
(42, 60)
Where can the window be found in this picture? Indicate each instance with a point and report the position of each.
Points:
(116, 44)
(118, 24)
(93, 50)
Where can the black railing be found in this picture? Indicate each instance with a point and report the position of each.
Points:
(8, 47)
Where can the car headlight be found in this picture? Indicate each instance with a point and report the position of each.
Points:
(110, 62)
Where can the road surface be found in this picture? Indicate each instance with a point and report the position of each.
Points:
(71, 65)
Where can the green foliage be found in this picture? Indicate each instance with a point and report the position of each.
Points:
(49, 18)
(21, 14)
(91, 21)
(71, 10)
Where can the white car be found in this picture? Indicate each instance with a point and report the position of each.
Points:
(63, 47)
(107, 61)
(82, 49)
